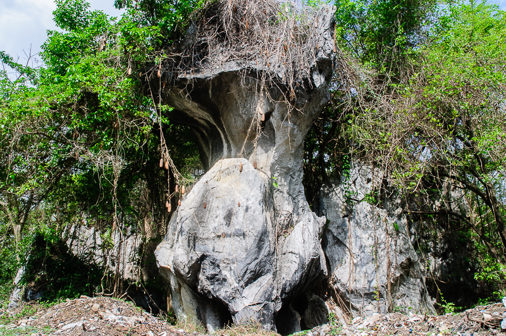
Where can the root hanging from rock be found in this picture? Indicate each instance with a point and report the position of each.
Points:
(276, 42)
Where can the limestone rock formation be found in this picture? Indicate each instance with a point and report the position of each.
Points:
(244, 240)
(373, 264)
(244, 245)
(116, 252)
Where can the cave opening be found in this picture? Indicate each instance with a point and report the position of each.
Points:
(305, 310)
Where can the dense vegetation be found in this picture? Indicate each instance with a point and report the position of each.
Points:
(428, 109)
(87, 139)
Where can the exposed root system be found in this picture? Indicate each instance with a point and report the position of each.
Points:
(279, 40)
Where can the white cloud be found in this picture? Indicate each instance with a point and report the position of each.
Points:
(23, 24)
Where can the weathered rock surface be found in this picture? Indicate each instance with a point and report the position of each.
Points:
(373, 264)
(116, 252)
(225, 244)
(244, 239)
(91, 254)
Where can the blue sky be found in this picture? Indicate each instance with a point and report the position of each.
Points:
(23, 23)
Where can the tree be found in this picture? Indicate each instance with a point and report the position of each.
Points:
(82, 137)
(383, 34)
(459, 122)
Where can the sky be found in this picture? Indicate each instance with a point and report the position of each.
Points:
(23, 24)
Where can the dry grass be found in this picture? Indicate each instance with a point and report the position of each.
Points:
(279, 42)
(246, 330)
(190, 326)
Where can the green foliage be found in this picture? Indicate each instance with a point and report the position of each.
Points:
(17, 331)
(448, 307)
(26, 73)
(72, 15)
(107, 241)
(382, 33)
(84, 33)
(317, 3)
(275, 183)
(371, 198)
(491, 271)
(163, 20)
(459, 93)
(80, 138)
(335, 326)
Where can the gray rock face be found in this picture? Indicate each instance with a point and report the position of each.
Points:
(117, 252)
(225, 243)
(244, 238)
(373, 264)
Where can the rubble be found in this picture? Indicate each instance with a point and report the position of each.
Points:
(113, 317)
(481, 320)
(95, 316)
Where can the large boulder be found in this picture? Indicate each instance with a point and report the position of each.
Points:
(227, 245)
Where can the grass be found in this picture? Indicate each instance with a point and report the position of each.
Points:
(190, 326)
(26, 309)
(7, 319)
(246, 330)
(16, 331)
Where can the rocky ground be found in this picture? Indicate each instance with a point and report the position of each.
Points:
(98, 316)
(112, 317)
(93, 316)
(482, 320)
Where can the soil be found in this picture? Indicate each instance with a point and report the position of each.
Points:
(107, 316)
